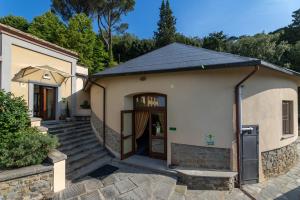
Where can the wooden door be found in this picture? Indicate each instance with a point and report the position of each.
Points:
(48, 103)
(127, 134)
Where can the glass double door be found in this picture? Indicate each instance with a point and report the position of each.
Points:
(44, 102)
(138, 124)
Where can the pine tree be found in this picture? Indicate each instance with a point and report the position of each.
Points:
(166, 31)
(296, 19)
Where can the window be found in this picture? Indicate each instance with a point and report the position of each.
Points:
(149, 101)
(287, 117)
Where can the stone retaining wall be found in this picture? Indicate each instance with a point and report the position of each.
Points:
(34, 182)
(206, 183)
(113, 139)
(279, 161)
(200, 157)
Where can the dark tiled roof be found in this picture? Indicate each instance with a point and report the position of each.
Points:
(180, 57)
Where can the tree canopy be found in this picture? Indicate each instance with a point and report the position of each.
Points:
(15, 21)
(215, 41)
(107, 13)
(296, 19)
(262, 46)
(68, 8)
(81, 38)
(50, 28)
(96, 50)
(166, 31)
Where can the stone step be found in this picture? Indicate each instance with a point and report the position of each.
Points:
(62, 126)
(155, 165)
(177, 196)
(197, 179)
(77, 139)
(77, 144)
(90, 167)
(78, 133)
(165, 188)
(68, 130)
(85, 161)
(84, 154)
(83, 148)
(181, 189)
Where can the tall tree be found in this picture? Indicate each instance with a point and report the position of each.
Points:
(81, 38)
(166, 31)
(68, 8)
(296, 19)
(100, 57)
(15, 21)
(50, 28)
(108, 14)
(215, 41)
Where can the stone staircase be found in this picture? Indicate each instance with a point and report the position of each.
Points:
(80, 144)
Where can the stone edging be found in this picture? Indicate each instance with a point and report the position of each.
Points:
(6, 175)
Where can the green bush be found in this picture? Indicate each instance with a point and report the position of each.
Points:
(13, 113)
(20, 145)
(25, 147)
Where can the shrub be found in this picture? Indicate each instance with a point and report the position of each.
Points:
(25, 147)
(13, 113)
(20, 145)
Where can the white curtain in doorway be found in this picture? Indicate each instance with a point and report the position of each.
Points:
(141, 119)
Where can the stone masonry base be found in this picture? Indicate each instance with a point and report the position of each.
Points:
(206, 183)
(279, 161)
(184, 155)
(35, 182)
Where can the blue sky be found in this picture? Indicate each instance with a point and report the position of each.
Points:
(194, 17)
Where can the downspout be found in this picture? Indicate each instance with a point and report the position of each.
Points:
(238, 109)
(104, 111)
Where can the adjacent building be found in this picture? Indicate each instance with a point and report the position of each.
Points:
(197, 108)
(45, 75)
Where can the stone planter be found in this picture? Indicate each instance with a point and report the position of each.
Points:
(34, 182)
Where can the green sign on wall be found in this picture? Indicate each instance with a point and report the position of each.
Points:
(172, 128)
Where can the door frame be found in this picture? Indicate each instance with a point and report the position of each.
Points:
(153, 109)
(42, 88)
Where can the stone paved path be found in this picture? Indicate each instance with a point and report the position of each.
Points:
(129, 183)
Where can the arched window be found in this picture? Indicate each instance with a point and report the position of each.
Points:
(149, 100)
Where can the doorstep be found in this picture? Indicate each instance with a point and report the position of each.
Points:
(155, 165)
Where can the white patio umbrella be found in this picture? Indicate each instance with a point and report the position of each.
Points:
(41, 74)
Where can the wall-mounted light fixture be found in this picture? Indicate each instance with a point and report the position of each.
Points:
(47, 76)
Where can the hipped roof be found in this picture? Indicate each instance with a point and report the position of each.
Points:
(181, 57)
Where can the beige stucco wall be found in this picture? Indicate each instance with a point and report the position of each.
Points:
(21, 58)
(81, 96)
(262, 105)
(202, 102)
(199, 103)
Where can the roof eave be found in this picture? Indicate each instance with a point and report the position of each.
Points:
(203, 67)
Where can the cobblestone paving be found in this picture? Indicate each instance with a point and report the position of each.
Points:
(129, 183)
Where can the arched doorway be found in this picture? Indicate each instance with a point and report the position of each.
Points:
(144, 129)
